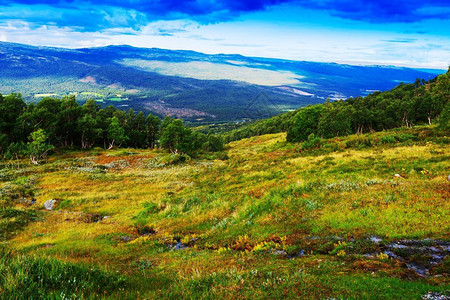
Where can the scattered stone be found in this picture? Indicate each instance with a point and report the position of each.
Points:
(419, 270)
(280, 252)
(179, 246)
(434, 249)
(398, 176)
(49, 204)
(126, 239)
(335, 237)
(436, 258)
(448, 178)
(435, 296)
(375, 239)
(27, 202)
(420, 256)
(394, 256)
(299, 254)
(398, 246)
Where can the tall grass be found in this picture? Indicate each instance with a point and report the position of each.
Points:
(32, 277)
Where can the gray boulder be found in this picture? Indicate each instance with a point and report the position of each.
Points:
(49, 204)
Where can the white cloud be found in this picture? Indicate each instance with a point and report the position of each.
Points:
(302, 40)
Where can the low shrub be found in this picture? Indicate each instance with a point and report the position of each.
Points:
(312, 142)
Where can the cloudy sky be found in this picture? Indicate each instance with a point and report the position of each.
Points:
(394, 32)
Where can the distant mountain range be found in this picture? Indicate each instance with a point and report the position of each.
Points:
(186, 84)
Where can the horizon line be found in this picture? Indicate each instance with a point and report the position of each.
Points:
(339, 62)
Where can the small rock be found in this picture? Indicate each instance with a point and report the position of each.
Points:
(391, 254)
(435, 296)
(398, 176)
(398, 246)
(179, 246)
(126, 239)
(280, 252)
(49, 204)
(300, 254)
(370, 255)
(375, 239)
(419, 270)
(434, 249)
(448, 178)
(436, 257)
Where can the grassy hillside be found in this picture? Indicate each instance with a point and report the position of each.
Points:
(354, 217)
(405, 105)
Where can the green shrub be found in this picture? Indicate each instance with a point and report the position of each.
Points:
(312, 142)
(389, 139)
(405, 137)
(359, 143)
(173, 159)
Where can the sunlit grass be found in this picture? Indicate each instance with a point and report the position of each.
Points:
(268, 195)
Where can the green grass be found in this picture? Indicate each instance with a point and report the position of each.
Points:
(122, 212)
(13, 220)
(30, 277)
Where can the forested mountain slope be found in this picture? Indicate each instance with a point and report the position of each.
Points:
(185, 84)
(405, 105)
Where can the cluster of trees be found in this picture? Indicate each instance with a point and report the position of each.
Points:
(276, 124)
(35, 129)
(406, 105)
(421, 102)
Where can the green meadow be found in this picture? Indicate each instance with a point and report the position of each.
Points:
(262, 219)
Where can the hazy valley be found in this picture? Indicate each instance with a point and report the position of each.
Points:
(186, 84)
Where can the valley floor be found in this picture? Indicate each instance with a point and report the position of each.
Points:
(355, 217)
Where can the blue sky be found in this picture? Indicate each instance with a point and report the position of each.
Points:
(396, 32)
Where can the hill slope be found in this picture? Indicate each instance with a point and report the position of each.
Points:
(404, 105)
(272, 220)
(187, 84)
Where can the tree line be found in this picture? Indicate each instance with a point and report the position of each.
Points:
(421, 102)
(36, 128)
